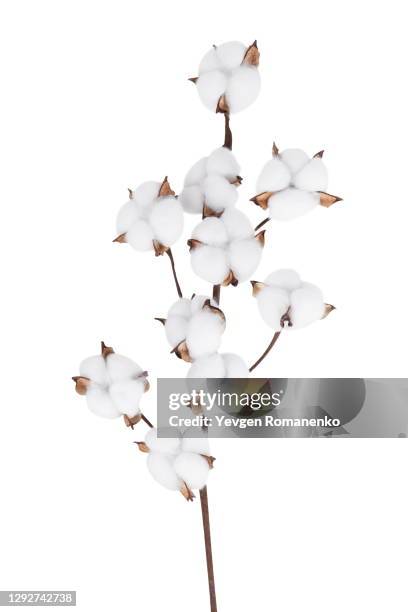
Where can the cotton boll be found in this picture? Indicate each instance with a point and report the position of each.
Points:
(210, 263)
(192, 469)
(285, 279)
(291, 203)
(169, 446)
(211, 231)
(211, 366)
(192, 199)
(161, 468)
(235, 366)
(146, 193)
(204, 334)
(313, 176)
(94, 368)
(198, 302)
(166, 220)
(126, 396)
(237, 224)
(100, 403)
(140, 236)
(121, 368)
(128, 214)
(210, 87)
(231, 54)
(243, 88)
(222, 161)
(181, 308)
(244, 257)
(198, 445)
(275, 176)
(307, 305)
(209, 62)
(295, 159)
(197, 173)
(176, 330)
(273, 303)
(219, 193)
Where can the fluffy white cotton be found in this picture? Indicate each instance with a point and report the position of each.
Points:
(192, 469)
(210, 263)
(236, 224)
(128, 214)
(204, 334)
(192, 199)
(222, 72)
(294, 159)
(275, 176)
(313, 176)
(166, 220)
(100, 403)
(198, 301)
(211, 366)
(176, 329)
(169, 446)
(126, 396)
(219, 193)
(140, 236)
(211, 231)
(235, 366)
(197, 173)
(222, 162)
(291, 203)
(243, 88)
(244, 258)
(146, 193)
(94, 368)
(195, 445)
(285, 294)
(161, 467)
(181, 308)
(121, 368)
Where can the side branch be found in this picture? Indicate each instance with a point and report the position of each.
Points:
(228, 133)
(170, 254)
(270, 347)
(217, 293)
(208, 549)
(262, 223)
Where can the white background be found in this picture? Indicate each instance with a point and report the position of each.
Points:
(95, 99)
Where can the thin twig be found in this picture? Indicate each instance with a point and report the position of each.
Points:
(217, 293)
(173, 267)
(262, 223)
(262, 357)
(208, 550)
(146, 420)
(228, 133)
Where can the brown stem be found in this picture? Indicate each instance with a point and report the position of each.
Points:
(228, 133)
(217, 293)
(208, 550)
(262, 223)
(262, 357)
(173, 267)
(146, 420)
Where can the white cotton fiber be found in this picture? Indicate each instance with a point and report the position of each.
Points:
(273, 303)
(140, 236)
(94, 368)
(120, 367)
(210, 263)
(231, 54)
(210, 87)
(166, 220)
(237, 224)
(243, 88)
(161, 468)
(244, 257)
(291, 203)
(209, 62)
(219, 193)
(235, 366)
(211, 366)
(307, 305)
(211, 231)
(197, 173)
(192, 199)
(100, 403)
(181, 308)
(192, 469)
(176, 330)
(126, 396)
(146, 193)
(127, 215)
(198, 302)
(169, 446)
(222, 161)
(198, 445)
(284, 279)
(295, 159)
(274, 176)
(204, 334)
(313, 176)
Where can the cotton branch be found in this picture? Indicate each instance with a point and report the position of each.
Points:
(173, 267)
(264, 354)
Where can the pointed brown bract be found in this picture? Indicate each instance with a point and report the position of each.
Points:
(275, 150)
(222, 106)
(285, 320)
(257, 287)
(217, 311)
(319, 154)
(162, 321)
(327, 200)
(106, 350)
(165, 189)
(81, 384)
(210, 460)
(132, 421)
(230, 280)
(143, 447)
(251, 57)
(182, 352)
(186, 492)
(260, 237)
(209, 212)
(193, 79)
(159, 248)
(121, 239)
(262, 199)
(328, 308)
(146, 386)
(193, 244)
(237, 181)
(130, 193)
